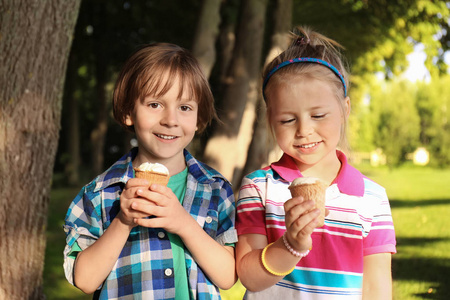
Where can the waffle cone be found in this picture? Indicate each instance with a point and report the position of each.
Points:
(152, 177)
(312, 191)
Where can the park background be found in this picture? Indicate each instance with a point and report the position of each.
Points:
(398, 131)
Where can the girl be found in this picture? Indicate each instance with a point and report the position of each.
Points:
(185, 249)
(281, 254)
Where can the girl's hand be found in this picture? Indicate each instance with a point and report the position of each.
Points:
(132, 194)
(300, 221)
(166, 209)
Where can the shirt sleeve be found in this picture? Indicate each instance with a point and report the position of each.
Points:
(250, 208)
(83, 226)
(381, 237)
(226, 233)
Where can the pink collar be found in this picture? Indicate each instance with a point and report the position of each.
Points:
(349, 180)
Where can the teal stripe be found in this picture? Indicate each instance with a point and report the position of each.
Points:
(325, 279)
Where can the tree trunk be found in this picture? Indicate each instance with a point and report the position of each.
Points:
(98, 134)
(72, 140)
(34, 47)
(204, 46)
(224, 150)
(260, 147)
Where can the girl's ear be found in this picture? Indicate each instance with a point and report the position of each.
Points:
(347, 107)
(129, 120)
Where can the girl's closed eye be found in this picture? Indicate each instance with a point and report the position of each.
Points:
(287, 121)
(318, 116)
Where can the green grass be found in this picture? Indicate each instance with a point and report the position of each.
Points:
(420, 200)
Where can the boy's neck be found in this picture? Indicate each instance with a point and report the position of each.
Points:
(175, 165)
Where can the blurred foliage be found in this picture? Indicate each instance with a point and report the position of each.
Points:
(377, 35)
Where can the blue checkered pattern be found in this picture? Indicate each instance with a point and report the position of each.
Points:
(144, 269)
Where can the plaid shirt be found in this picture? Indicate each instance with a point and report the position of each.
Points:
(144, 269)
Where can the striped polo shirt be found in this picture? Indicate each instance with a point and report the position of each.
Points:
(359, 223)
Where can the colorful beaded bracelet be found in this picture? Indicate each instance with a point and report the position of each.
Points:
(263, 259)
(293, 252)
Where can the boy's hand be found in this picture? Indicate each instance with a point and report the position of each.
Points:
(165, 207)
(132, 194)
(300, 221)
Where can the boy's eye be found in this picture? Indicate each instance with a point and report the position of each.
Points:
(185, 108)
(154, 105)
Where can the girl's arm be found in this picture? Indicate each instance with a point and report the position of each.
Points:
(94, 264)
(377, 278)
(216, 261)
(300, 222)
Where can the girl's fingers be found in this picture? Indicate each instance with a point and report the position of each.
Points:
(292, 202)
(297, 210)
(305, 223)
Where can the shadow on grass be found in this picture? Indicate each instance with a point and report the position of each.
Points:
(433, 270)
(399, 203)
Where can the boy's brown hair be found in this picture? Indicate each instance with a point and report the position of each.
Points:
(151, 70)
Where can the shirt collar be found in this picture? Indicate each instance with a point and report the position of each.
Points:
(349, 180)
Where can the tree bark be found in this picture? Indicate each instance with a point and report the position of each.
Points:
(35, 41)
(98, 134)
(223, 149)
(204, 46)
(260, 147)
(72, 140)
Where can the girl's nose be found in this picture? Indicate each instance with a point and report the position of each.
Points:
(304, 128)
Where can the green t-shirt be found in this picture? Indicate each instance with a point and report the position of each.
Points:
(177, 184)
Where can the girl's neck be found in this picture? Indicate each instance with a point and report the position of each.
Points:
(326, 171)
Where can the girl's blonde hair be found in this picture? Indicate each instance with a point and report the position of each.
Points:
(310, 55)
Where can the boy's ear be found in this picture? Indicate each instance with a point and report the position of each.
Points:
(129, 120)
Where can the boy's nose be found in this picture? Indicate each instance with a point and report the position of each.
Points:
(169, 118)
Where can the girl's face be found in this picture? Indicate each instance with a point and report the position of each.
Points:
(307, 121)
(164, 127)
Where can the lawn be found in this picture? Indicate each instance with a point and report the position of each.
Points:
(420, 200)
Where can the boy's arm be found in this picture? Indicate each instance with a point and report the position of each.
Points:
(95, 263)
(377, 278)
(216, 261)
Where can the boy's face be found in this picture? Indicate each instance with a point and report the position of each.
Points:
(164, 127)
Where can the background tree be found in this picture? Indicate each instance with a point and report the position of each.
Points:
(433, 103)
(223, 150)
(34, 47)
(260, 147)
(204, 45)
(397, 122)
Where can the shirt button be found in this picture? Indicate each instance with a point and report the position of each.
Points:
(161, 235)
(208, 219)
(168, 272)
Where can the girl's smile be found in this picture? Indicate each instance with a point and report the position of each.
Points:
(307, 121)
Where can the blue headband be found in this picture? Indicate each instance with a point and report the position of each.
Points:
(301, 60)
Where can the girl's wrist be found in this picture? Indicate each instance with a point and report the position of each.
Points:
(294, 252)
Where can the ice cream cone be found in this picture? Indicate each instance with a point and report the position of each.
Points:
(154, 173)
(311, 189)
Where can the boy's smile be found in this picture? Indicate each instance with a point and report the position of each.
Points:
(164, 126)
